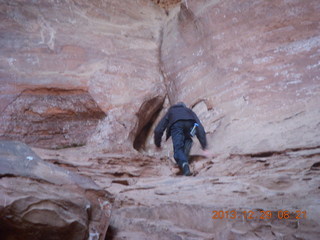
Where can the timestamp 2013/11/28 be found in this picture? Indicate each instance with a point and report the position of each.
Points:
(256, 215)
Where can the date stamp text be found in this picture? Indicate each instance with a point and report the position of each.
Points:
(259, 214)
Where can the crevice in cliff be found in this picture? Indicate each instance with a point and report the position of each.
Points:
(292, 152)
(263, 154)
(147, 115)
(111, 233)
(161, 65)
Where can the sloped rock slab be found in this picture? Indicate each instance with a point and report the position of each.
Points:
(39, 200)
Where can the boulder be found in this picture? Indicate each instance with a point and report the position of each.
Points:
(39, 200)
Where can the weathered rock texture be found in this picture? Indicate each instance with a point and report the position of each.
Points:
(167, 4)
(51, 118)
(153, 200)
(108, 48)
(250, 69)
(39, 200)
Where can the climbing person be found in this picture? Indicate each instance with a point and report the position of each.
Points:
(181, 124)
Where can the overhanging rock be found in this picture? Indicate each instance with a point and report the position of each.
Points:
(51, 118)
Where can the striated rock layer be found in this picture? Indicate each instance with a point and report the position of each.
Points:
(267, 197)
(51, 118)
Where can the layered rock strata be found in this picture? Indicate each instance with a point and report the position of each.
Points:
(249, 69)
(51, 118)
(261, 197)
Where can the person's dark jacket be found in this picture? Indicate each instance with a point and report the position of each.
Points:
(175, 113)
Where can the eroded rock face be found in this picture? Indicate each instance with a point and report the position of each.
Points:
(154, 201)
(167, 4)
(250, 69)
(51, 118)
(39, 200)
(107, 48)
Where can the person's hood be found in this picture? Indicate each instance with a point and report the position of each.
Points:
(179, 104)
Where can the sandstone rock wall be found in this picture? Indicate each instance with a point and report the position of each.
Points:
(250, 69)
(109, 49)
(51, 118)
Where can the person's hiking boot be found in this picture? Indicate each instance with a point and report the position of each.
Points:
(186, 169)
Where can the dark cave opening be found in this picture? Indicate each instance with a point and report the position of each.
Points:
(147, 115)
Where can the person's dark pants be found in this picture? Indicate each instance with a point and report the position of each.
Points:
(181, 139)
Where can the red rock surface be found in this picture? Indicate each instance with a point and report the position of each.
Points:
(51, 118)
(108, 48)
(39, 200)
(154, 201)
(249, 69)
